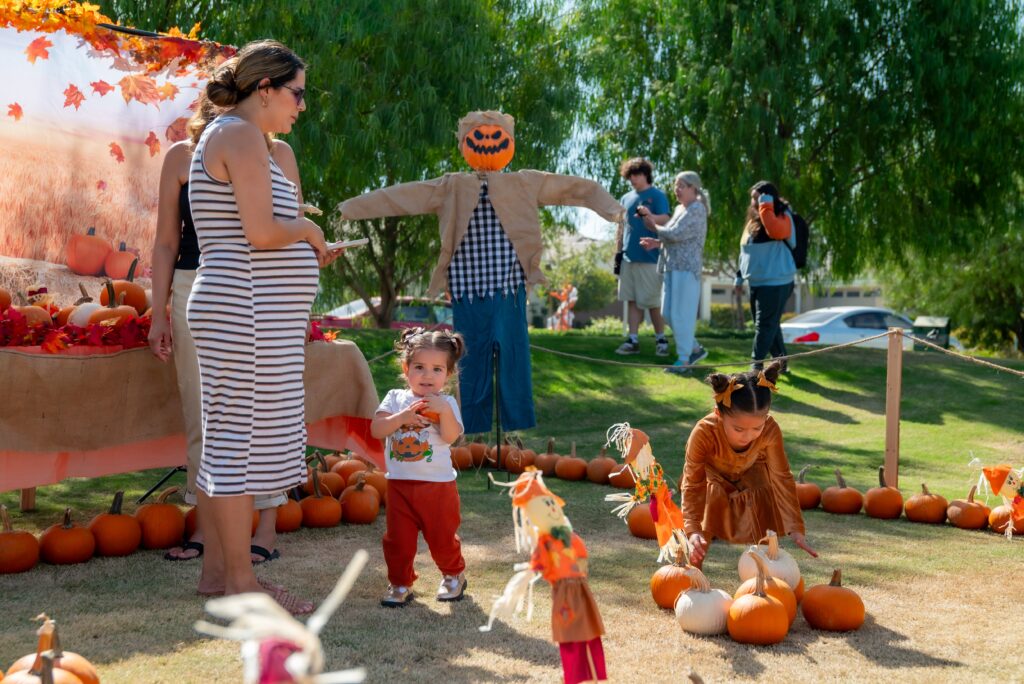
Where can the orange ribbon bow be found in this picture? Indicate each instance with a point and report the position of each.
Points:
(725, 396)
(763, 381)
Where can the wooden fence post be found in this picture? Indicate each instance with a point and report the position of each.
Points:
(893, 388)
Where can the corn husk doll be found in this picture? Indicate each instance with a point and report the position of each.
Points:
(651, 487)
(558, 556)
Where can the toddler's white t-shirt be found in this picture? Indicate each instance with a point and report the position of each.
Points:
(417, 453)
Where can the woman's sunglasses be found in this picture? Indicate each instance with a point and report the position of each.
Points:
(299, 93)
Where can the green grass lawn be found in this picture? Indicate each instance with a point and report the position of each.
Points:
(133, 616)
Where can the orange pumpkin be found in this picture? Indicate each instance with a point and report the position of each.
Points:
(478, 450)
(109, 310)
(41, 671)
(118, 263)
(799, 591)
(87, 254)
(462, 458)
(64, 315)
(35, 315)
(163, 524)
(333, 482)
(547, 461)
(773, 586)
(640, 522)
(883, 501)
(349, 468)
(66, 543)
(333, 459)
(622, 477)
(319, 510)
(134, 294)
(289, 515)
(19, 551)
(808, 493)
(1000, 520)
(518, 460)
(360, 502)
(571, 467)
(5, 299)
(757, 617)
(601, 467)
(529, 454)
(669, 581)
(833, 607)
(67, 666)
(841, 499)
(498, 458)
(926, 507)
(376, 479)
(116, 534)
(488, 148)
(969, 514)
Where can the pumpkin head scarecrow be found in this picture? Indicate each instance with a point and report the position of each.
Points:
(489, 258)
(1009, 484)
(635, 446)
(558, 556)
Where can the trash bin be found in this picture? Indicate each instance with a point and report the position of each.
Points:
(935, 329)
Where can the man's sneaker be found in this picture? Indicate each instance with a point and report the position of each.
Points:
(698, 356)
(396, 597)
(679, 368)
(661, 347)
(628, 347)
(452, 587)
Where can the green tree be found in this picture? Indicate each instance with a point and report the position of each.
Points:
(890, 124)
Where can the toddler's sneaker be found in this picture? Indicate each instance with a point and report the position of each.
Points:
(680, 367)
(396, 597)
(698, 356)
(452, 587)
(628, 347)
(661, 347)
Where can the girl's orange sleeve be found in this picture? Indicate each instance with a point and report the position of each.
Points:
(699, 449)
(783, 484)
(778, 227)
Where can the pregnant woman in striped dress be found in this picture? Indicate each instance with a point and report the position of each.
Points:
(249, 308)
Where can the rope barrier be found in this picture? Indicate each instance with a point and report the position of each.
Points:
(966, 357)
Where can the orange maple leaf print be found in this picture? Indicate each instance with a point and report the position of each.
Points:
(176, 131)
(167, 91)
(38, 48)
(116, 152)
(14, 111)
(139, 87)
(101, 87)
(153, 143)
(73, 96)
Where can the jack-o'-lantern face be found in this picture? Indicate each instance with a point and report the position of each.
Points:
(488, 148)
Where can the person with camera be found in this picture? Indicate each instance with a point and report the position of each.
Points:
(639, 280)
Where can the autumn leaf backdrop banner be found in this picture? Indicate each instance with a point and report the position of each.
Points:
(86, 114)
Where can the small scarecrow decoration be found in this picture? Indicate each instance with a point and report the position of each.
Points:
(635, 447)
(490, 257)
(39, 295)
(277, 648)
(557, 555)
(1009, 484)
(563, 316)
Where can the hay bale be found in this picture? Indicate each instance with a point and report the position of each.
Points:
(17, 275)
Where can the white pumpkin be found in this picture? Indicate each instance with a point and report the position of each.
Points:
(701, 609)
(780, 563)
(80, 316)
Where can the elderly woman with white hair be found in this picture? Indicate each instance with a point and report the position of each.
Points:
(681, 241)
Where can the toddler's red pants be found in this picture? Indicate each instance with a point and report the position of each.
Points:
(428, 507)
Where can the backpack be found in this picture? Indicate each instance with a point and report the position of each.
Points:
(803, 235)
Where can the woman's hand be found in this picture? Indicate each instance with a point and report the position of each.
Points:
(650, 243)
(315, 237)
(698, 548)
(309, 209)
(160, 337)
(801, 541)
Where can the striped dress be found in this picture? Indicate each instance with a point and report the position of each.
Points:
(248, 313)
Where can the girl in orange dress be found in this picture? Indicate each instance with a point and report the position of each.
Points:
(737, 483)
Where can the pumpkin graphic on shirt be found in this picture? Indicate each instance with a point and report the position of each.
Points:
(410, 446)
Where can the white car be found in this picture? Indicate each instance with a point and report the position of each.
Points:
(839, 324)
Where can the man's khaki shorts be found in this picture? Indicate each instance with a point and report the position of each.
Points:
(640, 283)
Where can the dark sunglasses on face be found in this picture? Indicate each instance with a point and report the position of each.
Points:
(299, 93)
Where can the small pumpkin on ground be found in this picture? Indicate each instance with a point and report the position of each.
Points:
(547, 461)
(1001, 520)
(529, 454)
(134, 294)
(116, 533)
(289, 514)
(622, 477)
(163, 523)
(701, 609)
(64, 315)
(773, 586)
(87, 254)
(968, 514)
(319, 510)
(35, 315)
(66, 543)
(758, 618)
(808, 493)
(833, 607)
(67, 666)
(347, 469)
(640, 522)
(462, 457)
(119, 262)
(778, 562)
(333, 482)
(19, 551)
(883, 501)
(113, 307)
(571, 467)
(600, 467)
(478, 450)
(926, 507)
(5, 299)
(840, 499)
(669, 581)
(360, 502)
(516, 460)
(379, 481)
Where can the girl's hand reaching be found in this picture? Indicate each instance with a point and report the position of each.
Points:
(698, 548)
(411, 415)
(801, 541)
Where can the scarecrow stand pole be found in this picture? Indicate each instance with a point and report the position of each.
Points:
(893, 387)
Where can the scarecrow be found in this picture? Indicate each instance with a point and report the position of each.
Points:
(563, 317)
(1009, 484)
(39, 295)
(557, 555)
(635, 447)
(490, 257)
(277, 648)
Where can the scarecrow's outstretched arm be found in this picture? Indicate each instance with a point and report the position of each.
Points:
(404, 199)
(577, 192)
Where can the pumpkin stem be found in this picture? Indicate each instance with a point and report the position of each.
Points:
(681, 560)
(322, 461)
(85, 295)
(694, 677)
(131, 269)
(111, 298)
(115, 507)
(120, 298)
(837, 578)
(551, 446)
(67, 524)
(91, 230)
(5, 519)
(762, 567)
(970, 496)
(839, 479)
(45, 642)
(881, 476)
(165, 494)
(519, 443)
(800, 475)
(698, 580)
(924, 489)
(316, 483)
(759, 583)
(572, 450)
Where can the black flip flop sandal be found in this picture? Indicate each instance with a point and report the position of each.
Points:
(264, 553)
(187, 546)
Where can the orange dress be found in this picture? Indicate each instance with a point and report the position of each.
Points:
(574, 614)
(738, 496)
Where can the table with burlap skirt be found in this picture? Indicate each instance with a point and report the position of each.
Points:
(74, 415)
